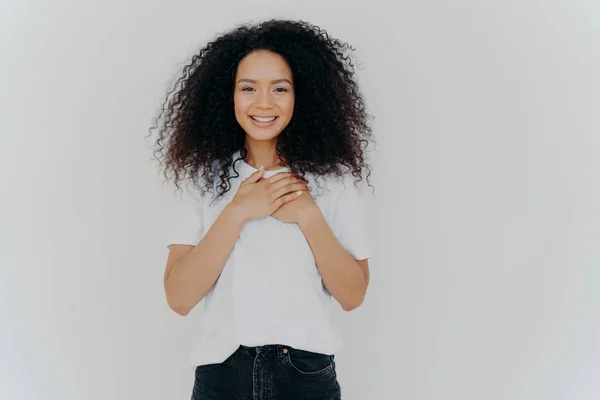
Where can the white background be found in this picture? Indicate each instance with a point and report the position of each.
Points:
(486, 283)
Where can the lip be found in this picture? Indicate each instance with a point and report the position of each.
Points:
(262, 124)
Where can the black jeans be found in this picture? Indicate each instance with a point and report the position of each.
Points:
(273, 372)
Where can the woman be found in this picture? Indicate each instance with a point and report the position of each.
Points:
(268, 130)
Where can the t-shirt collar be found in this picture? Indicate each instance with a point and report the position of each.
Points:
(245, 169)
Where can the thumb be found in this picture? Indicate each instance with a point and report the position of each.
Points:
(255, 177)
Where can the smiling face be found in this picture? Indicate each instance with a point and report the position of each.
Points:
(264, 95)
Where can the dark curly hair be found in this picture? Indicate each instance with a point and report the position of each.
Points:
(329, 132)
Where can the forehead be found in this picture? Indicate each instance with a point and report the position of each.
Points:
(263, 64)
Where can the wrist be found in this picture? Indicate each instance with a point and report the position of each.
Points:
(235, 213)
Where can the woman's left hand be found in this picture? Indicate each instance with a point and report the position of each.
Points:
(298, 210)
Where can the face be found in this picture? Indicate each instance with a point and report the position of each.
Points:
(264, 95)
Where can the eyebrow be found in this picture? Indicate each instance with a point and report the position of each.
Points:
(283, 80)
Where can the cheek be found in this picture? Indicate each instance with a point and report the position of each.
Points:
(240, 105)
(287, 106)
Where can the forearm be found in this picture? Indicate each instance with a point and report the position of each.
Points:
(341, 273)
(193, 276)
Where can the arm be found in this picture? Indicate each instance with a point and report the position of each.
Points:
(343, 276)
(185, 283)
(193, 270)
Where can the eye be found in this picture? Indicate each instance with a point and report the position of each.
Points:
(247, 89)
(282, 90)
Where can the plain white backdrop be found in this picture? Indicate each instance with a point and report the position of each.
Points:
(486, 221)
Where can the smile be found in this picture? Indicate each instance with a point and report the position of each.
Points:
(261, 119)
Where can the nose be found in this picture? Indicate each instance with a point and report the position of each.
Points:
(264, 99)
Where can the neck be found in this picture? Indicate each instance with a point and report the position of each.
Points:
(262, 153)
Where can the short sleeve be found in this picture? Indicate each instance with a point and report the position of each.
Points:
(186, 217)
(350, 223)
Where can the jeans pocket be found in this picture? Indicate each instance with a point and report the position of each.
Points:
(309, 363)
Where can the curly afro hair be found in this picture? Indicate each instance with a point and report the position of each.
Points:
(329, 132)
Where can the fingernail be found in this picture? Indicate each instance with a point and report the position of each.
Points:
(299, 192)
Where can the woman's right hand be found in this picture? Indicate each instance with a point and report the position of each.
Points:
(258, 198)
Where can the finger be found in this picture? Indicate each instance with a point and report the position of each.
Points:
(290, 188)
(287, 198)
(255, 177)
(284, 182)
(281, 175)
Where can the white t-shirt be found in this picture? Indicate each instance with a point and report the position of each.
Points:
(270, 290)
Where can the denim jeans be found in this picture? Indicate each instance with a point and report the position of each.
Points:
(273, 372)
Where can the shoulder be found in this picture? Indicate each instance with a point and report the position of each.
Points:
(202, 187)
(336, 185)
(339, 195)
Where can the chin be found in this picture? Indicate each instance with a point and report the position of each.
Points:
(262, 136)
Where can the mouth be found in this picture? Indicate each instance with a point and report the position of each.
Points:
(262, 122)
(263, 119)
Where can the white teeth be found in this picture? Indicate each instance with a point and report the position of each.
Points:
(263, 119)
